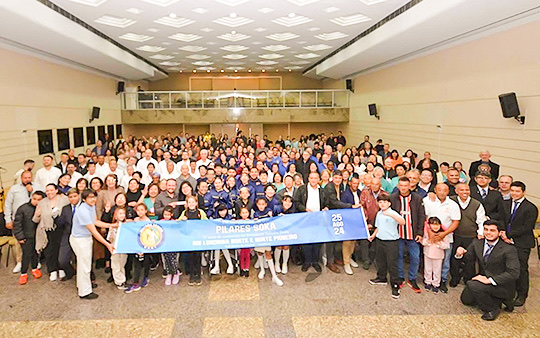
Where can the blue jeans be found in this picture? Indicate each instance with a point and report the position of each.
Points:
(414, 257)
(446, 264)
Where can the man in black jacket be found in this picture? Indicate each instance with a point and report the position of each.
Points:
(302, 166)
(24, 229)
(498, 269)
(485, 159)
(308, 198)
(521, 217)
(64, 223)
(491, 199)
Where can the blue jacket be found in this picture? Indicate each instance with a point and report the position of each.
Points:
(347, 196)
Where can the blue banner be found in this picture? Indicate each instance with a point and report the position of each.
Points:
(201, 235)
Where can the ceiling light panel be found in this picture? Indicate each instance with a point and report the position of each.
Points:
(275, 48)
(307, 56)
(235, 63)
(271, 56)
(234, 37)
(300, 62)
(174, 22)
(235, 56)
(235, 68)
(293, 67)
(134, 10)
(233, 22)
(302, 2)
(265, 10)
(267, 63)
(232, 3)
(162, 3)
(331, 9)
(192, 49)
(282, 36)
(151, 49)
(371, 2)
(198, 56)
(206, 68)
(202, 63)
(234, 48)
(169, 63)
(200, 10)
(331, 36)
(185, 37)
(136, 37)
(315, 48)
(93, 3)
(350, 20)
(114, 21)
(161, 57)
(292, 21)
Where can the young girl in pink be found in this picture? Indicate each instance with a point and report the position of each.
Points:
(245, 258)
(433, 254)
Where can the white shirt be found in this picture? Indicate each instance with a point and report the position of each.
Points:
(480, 214)
(122, 165)
(44, 176)
(482, 190)
(195, 174)
(119, 173)
(142, 165)
(313, 203)
(181, 163)
(74, 178)
(102, 170)
(89, 176)
(166, 175)
(201, 162)
(124, 182)
(447, 211)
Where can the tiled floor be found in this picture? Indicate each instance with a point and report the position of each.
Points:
(326, 305)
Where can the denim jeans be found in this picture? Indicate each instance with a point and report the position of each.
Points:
(446, 264)
(414, 257)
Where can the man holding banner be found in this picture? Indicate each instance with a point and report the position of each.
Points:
(311, 197)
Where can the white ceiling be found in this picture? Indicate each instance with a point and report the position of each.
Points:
(215, 35)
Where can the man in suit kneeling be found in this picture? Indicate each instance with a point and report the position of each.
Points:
(498, 270)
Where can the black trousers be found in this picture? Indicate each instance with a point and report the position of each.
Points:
(312, 253)
(193, 264)
(386, 259)
(66, 256)
(365, 251)
(522, 283)
(488, 297)
(139, 265)
(333, 251)
(458, 268)
(52, 251)
(29, 255)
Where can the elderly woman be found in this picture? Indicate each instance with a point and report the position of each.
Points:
(48, 237)
(84, 227)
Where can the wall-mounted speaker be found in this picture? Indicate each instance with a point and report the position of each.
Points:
(121, 87)
(95, 113)
(510, 107)
(349, 85)
(373, 110)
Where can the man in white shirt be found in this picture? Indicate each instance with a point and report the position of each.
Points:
(204, 159)
(142, 164)
(185, 160)
(27, 166)
(102, 168)
(48, 174)
(124, 182)
(114, 169)
(193, 170)
(170, 171)
(122, 163)
(75, 176)
(91, 172)
(162, 166)
(449, 213)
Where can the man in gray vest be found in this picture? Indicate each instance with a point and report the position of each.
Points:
(473, 216)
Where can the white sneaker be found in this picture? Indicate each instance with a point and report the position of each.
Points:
(278, 269)
(348, 269)
(215, 270)
(261, 274)
(354, 264)
(230, 269)
(324, 260)
(277, 281)
(17, 268)
(39, 265)
(53, 276)
(61, 274)
(257, 264)
(284, 269)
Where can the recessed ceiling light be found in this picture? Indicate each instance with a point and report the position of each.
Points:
(350, 20)
(207, 30)
(271, 56)
(277, 70)
(202, 63)
(235, 21)
(153, 30)
(260, 29)
(290, 70)
(265, 10)
(134, 10)
(135, 37)
(198, 57)
(307, 56)
(302, 2)
(282, 36)
(275, 48)
(234, 37)
(162, 3)
(192, 49)
(172, 15)
(233, 15)
(208, 70)
(331, 36)
(234, 48)
(169, 63)
(232, 3)
(234, 56)
(185, 37)
(93, 3)
(331, 9)
(115, 21)
(233, 32)
(313, 29)
(315, 48)
(200, 10)
(263, 70)
(161, 57)
(249, 70)
(222, 71)
(289, 21)
(151, 49)
(371, 2)
(291, 15)
(236, 70)
(174, 22)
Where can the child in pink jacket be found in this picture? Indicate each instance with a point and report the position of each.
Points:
(433, 254)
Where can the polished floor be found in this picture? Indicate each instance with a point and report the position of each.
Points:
(308, 305)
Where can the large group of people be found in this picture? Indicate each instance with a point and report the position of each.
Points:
(472, 227)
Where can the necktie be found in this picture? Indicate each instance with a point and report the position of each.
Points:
(484, 194)
(488, 252)
(73, 213)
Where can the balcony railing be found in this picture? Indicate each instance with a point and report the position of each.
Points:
(256, 99)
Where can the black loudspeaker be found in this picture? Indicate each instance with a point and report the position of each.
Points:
(348, 85)
(95, 113)
(510, 107)
(373, 110)
(120, 88)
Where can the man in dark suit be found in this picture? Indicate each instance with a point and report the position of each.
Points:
(485, 159)
(64, 223)
(498, 269)
(308, 198)
(289, 189)
(521, 217)
(491, 200)
(302, 166)
(64, 158)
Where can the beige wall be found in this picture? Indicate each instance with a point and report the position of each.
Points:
(458, 89)
(35, 94)
(293, 80)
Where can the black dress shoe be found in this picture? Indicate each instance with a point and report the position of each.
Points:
(454, 283)
(519, 301)
(491, 315)
(110, 279)
(89, 296)
(317, 267)
(508, 306)
(443, 287)
(305, 267)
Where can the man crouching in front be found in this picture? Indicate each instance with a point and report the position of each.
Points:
(498, 270)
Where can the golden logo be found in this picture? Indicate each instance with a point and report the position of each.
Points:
(151, 236)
